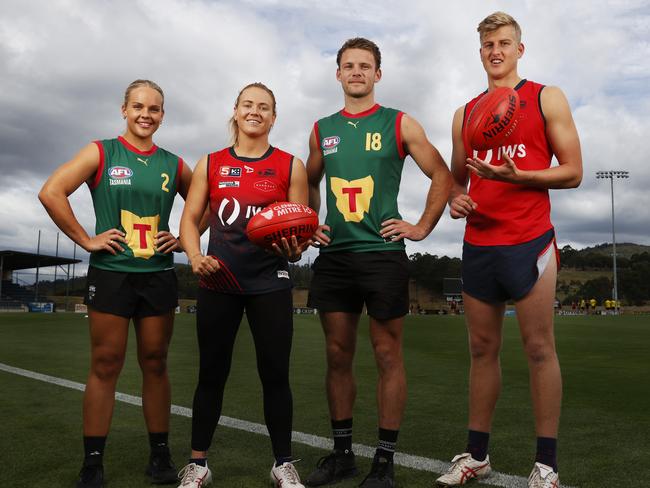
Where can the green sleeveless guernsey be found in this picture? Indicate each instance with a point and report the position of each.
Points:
(134, 191)
(363, 159)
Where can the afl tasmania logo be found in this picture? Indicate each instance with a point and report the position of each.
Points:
(331, 142)
(120, 172)
(119, 176)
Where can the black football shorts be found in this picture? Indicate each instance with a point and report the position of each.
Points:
(131, 294)
(345, 281)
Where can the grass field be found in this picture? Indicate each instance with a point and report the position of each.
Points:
(605, 419)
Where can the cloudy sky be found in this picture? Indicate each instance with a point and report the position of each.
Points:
(64, 65)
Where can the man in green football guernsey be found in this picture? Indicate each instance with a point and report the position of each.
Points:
(360, 151)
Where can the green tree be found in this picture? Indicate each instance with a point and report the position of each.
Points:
(429, 270)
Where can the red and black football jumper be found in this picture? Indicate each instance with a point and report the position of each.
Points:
(239, 188)
(250, 280)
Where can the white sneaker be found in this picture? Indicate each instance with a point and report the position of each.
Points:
(285, 476)
(463, 469)
(543, 476)
(194, 476)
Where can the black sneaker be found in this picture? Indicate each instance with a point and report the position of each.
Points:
(381, 474)
(161, 468)
(330, 469)
(91, 474)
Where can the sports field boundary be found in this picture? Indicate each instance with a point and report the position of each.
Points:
(402, 459)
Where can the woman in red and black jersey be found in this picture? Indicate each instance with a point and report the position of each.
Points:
(236, 276)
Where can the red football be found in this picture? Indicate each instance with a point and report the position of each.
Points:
(493, 119)
(281, 219)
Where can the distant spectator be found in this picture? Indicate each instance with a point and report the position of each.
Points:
(608, 305)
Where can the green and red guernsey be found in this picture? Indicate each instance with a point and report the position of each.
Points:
(134, 191)
(363, 157)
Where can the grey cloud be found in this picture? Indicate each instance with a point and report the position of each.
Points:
(64, 66)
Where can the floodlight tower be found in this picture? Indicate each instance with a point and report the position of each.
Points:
(611, 175)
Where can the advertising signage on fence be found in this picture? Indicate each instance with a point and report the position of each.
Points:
(41, 307)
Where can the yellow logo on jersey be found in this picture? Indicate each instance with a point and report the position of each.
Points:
(353, 197)
(140, 232)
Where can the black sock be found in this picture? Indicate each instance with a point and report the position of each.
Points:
(387, 442)
(200, 461)
(342, 432)
(94, 449)
(283, 459)
(547, 452)
(477, 444)
(158, 440)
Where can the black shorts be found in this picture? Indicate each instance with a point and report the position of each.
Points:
(131, 294)
(499, 273)
(344, 281)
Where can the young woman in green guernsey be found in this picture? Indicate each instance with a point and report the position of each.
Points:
(131, 275)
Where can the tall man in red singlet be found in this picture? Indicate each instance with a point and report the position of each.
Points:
(509, 250)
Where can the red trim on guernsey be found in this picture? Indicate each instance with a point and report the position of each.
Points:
(229, 276)
(222, 280)
(179, 173)
(134, 149)
(100, 168)
(317, 134)
(398, 135)
(365, 113)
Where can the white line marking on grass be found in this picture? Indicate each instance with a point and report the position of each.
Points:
(408, 460)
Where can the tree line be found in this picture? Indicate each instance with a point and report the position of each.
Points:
(428, 272)
(632, 273)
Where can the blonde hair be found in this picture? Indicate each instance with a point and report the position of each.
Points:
(232, 123)
(139, 83)
(496, 20)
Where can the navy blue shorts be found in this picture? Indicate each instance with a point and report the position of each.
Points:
(496, 274)
(344, 281)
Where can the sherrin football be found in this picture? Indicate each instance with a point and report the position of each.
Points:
(281, 219)
(493, 119)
